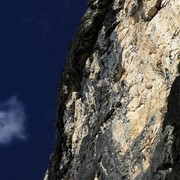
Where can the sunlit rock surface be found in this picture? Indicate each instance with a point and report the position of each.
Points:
(118, 106)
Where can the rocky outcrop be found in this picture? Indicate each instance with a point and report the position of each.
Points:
(118, 106)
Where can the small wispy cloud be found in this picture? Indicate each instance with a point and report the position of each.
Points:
(66, 4)
(12, 121)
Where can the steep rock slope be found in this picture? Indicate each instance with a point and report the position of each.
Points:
(118, 106)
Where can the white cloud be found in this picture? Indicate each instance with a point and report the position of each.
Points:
(12, 121)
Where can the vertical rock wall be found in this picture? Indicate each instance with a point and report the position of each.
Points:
(118, 106)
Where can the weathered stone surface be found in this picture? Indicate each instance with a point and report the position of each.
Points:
(118, 107)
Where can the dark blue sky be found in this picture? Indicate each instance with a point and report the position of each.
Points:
(34, 37)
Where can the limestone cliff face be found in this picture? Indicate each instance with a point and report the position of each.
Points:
(118, 107)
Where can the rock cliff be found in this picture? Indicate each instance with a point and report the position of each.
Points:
(118, 105)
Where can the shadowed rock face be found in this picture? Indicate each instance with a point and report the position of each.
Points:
(172, 118)
(118, 104)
